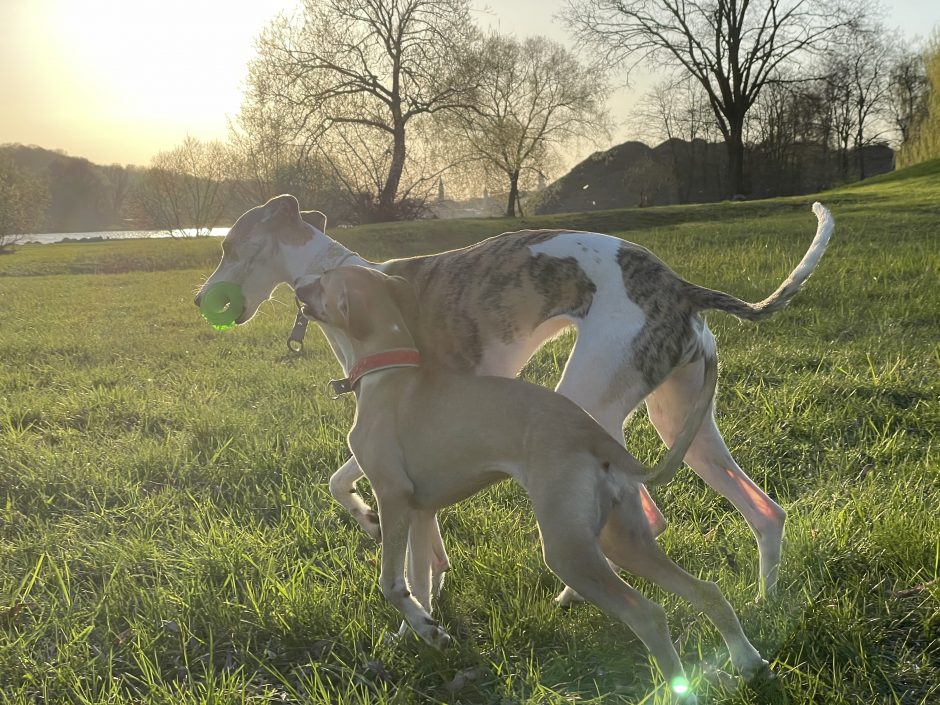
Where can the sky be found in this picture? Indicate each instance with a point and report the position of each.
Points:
(116, 81)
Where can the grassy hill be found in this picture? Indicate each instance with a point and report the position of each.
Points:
(166, 534)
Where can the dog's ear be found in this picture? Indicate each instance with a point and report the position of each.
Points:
(282, 216)
(315, 218)
(284, 206)
(406, 299)
(352, 309)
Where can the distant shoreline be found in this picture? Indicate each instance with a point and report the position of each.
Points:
(103, 235)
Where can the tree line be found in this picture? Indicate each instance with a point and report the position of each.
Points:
(832, 124)
(359, 107)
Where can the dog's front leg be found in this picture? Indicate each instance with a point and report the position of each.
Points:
(343, 489)
(395, 517)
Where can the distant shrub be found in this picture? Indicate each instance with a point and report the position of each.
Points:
(23, 201)
(365, 208)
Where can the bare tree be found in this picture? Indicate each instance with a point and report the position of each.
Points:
(355, 74)
(119, 180)
(856, 73)
(183, 188)
(789, 129)
(267, 161)
(731, 47)
(907, 90)
(871, 59)
(674, 109)
(534, 97)
(23, 200)
(771, 125)
(677, 110)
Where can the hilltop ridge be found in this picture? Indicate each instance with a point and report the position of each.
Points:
(676, 171)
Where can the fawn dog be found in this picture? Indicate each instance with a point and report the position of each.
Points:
(426, 438)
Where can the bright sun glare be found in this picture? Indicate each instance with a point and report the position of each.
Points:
(132, 76)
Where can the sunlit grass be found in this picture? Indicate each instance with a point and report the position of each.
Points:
(166, 535)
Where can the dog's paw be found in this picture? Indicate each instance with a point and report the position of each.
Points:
(568, 597)
(757, 670)
(433, 634)
(766, 594)
(717, 677)
(369, 521)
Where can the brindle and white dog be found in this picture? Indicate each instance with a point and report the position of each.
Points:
(485, 309)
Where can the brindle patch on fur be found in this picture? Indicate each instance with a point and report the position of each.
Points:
(291, 232)
(666, 336)
(496, 289)
(561, 282)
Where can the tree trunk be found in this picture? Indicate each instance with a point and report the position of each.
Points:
(735, 145)
(859, 155)
(395, 169)
(513, 194)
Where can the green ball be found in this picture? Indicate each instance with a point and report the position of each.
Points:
(222, 304)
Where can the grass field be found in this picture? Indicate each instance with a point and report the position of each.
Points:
(166, 534)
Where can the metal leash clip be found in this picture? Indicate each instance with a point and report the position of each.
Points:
(339, 387)
(295, 341)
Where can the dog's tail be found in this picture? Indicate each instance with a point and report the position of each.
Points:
(670, 463)
(705, 299)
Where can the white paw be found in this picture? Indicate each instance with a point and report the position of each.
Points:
(369, 521)
(567, 597)
(755, 668)
(434, 634)
(752, 666)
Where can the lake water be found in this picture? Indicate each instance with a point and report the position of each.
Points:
(49, 238)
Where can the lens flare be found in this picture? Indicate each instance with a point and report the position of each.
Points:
(679, 685)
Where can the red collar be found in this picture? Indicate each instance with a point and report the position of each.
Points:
(403, 357)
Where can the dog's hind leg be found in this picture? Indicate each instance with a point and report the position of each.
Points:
(595, 379)
(574, 557)
(633, 548)
(421, 556)
(588, 381)
(440, 563)
(425, 544)
(710, 458)
(343, 489)
(423, 534)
